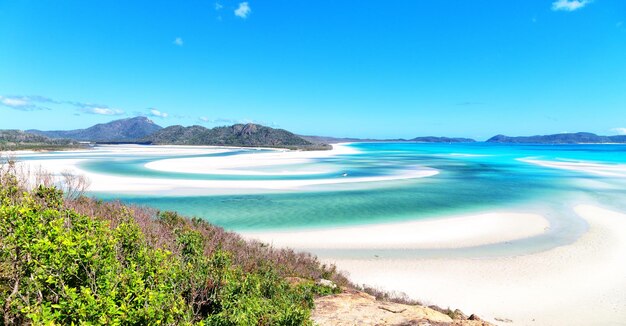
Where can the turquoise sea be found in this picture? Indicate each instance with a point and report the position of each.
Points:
(472, 178)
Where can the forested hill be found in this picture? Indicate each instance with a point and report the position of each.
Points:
(247, 135)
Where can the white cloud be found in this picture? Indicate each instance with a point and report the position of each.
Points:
(179, 41)
(243, 11)
(38, 102)
(157, 113)
(620, 131)
(8, 101)
(102, 111)
(24, 103)
(569, 5)
(218, 6)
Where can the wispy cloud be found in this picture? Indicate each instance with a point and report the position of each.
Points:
(25, 103)
(619, 131)
(92, 108)
(13, 102)
(37, 102)
(243, 10)
(222, 121)
(102, 111)
(569, 5)
(178, 41)
(82, 105)
(157, 113)
(218, 6)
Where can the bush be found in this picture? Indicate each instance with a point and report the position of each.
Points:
(61, 266)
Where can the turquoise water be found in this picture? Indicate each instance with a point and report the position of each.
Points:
(472, 178)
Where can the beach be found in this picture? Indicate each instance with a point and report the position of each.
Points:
(580, 282)
(244, 164)
(437, 233)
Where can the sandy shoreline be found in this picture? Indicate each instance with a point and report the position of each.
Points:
(579, 284)
(246, 162)
(438, 233)
(225, 165)
(606, 170)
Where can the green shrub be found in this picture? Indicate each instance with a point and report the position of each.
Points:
(61, 267)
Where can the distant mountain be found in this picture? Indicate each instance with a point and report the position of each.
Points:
(247, 135)
(122, 130)
(17, 139)
(427, 139)
(567, 138)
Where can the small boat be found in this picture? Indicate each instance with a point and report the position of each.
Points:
(345, 174)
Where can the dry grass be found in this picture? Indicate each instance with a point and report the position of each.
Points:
(160, 228)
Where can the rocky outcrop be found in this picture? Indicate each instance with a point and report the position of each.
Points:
(353, 307)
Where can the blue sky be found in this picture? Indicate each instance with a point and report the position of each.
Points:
(343, 68)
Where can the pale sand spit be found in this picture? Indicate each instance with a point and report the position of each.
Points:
(607, 170)
(227, 165)
(583, 283)
(139, 185)
(438, 233)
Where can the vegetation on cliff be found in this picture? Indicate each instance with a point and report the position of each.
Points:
(67, 259)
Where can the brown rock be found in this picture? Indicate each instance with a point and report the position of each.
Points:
(458, 314)
(358, 308)
(351, 308)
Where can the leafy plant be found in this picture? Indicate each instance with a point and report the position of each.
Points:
(59, 265)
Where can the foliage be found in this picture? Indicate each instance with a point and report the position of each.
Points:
(80, 261)
(248, 135)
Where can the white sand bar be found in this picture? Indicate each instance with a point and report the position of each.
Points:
(579, 284)
(237, 165)
(455, 232)
(101, 182)
(606, 170)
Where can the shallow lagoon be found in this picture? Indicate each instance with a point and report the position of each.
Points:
(472, 178)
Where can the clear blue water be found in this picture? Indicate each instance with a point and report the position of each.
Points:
(472, 178)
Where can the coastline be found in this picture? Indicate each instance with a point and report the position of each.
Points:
(605, 170)
(434, 233)
(535, 288)
(216, 165)
(578, 284)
